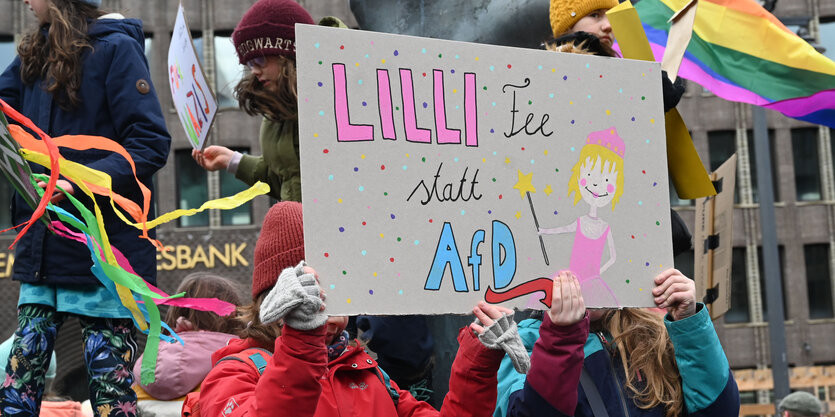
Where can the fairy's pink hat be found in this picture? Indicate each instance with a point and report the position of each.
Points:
(609, 139)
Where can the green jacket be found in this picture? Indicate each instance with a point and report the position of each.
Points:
(278, 164)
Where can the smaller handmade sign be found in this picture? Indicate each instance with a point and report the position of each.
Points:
(193, 98)
(713, 241)
(15, 168)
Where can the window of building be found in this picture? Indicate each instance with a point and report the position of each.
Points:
(674, 198)
(149, 44)
(192, 188)
(763, 295)
(807, 173)
(753, 158)
(229, 71)
(827, 35)
(229, 185)
(721, 145)
(832, 143)
(739, 311)
(747, 397)
(197, 40)
(818, 281)
(7, 51)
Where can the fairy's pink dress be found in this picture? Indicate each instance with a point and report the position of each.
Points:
(586, 255)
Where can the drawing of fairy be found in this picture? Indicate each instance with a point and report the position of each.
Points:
(597, 179)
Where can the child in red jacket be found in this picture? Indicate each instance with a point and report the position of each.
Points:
(312, 369)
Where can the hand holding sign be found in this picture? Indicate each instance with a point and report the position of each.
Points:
(676, 293)
(567, 306)
(213, 157)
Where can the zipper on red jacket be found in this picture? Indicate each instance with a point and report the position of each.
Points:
(609, 350)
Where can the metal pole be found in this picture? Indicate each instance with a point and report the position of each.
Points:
(771, 258)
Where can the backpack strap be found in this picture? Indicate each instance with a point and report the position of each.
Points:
(386, 380)
(598, 407)
(256, 357)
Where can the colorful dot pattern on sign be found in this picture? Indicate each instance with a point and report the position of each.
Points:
(423, 150)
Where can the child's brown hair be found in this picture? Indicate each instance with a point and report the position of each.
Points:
(206, 285)
(255, 100)
(250, 320)
(56, 57)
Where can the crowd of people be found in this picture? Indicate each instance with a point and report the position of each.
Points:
(81, 71)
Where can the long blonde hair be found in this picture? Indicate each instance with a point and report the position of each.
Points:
(647, 353)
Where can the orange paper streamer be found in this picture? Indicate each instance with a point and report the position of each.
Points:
(86, 142)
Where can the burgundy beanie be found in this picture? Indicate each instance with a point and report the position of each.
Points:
(280, 245)
(268, 28)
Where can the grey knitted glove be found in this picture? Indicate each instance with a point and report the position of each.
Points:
(503, 334)
(295, 298)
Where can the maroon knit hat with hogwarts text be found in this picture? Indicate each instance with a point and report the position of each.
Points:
(268, 28)
(280, 245)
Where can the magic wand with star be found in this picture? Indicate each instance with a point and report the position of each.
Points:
(525, 187)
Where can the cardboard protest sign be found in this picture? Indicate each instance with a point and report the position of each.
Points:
(193, 97)
(15, 168)
(429, 167)
(713, 239)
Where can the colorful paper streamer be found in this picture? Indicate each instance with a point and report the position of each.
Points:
(110, 266)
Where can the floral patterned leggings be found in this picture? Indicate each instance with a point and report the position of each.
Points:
(109, 350)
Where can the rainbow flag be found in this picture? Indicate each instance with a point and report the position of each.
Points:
(741, 52)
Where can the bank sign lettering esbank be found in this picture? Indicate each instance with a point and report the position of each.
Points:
(177, 257)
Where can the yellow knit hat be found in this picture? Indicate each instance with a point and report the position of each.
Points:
(565, 13)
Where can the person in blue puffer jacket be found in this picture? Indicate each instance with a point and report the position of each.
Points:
(82, 72)
(630, 362)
